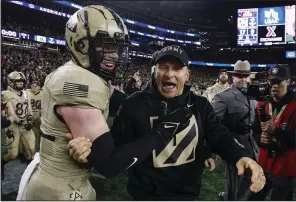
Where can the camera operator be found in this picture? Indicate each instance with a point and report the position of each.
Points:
(237, 112)
(275, 122)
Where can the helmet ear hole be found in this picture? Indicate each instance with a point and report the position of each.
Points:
(79, 46)
(71, 41)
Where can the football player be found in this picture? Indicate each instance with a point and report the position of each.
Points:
(22, 125)
(35, 95)
(76, 99)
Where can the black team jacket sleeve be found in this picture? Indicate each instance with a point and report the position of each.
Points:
(110, 160)
(219, 138)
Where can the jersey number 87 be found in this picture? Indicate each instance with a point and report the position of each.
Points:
(21, 109)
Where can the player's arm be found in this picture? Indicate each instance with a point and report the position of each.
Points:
(7, 117)
(10, 112)
(105, 157)
(10, 109)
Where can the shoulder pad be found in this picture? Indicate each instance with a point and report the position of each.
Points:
(73, 85)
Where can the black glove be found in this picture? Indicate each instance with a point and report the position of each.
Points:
(171, 124)
(9, 134)
(28, 126)
(5, 123)
(20, 122)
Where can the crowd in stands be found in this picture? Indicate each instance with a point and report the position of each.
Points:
(36, 64)
(45, 24)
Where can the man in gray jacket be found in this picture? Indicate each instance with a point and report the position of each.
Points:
(237, 112)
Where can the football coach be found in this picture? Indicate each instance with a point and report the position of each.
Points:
(172, 171)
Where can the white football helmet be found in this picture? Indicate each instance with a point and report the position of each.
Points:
(16, 81)
(98, 40)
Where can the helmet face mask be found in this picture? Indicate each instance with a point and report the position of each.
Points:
(107, 55)
(98, 40)
(19, 84)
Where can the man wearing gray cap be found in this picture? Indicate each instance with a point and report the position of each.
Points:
(237, 113)
(174, 170)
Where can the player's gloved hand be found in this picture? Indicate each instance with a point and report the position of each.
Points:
(171, 124)
(9, 134)
(28, 126)
(20, 122)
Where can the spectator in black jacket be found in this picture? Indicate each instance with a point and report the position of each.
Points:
(134, 84)
(174, 170)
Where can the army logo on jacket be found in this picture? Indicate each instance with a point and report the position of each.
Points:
(177, 151)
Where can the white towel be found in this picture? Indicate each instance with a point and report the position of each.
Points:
(25, 178)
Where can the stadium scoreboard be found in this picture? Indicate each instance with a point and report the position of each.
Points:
(266, 26)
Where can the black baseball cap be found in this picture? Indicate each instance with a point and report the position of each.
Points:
(279, 72)
(175, 51)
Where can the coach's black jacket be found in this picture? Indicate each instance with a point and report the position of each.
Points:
(173, 171)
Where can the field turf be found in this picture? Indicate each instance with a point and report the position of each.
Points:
(115, 189)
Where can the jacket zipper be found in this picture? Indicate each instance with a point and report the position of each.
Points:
(165, 112)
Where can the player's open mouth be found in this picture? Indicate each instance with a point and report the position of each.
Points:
(108, 65)
(169, 86)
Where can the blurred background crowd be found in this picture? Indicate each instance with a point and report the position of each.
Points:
(36, 60)
(36, 64)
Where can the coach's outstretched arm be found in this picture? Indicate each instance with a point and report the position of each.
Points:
(104, 156)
